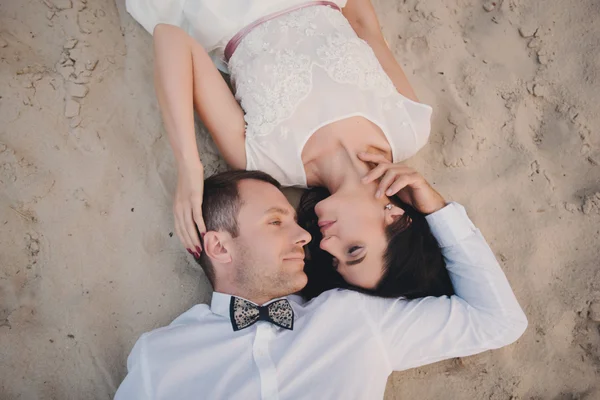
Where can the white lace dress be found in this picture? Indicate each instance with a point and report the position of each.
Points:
(299, 72)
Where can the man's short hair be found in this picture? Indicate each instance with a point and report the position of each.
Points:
(221, 205)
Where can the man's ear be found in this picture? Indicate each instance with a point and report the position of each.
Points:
(392, 214)
(215, 246)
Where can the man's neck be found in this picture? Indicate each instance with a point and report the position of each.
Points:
(256, 298)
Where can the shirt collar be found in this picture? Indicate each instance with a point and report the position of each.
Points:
(220, 302)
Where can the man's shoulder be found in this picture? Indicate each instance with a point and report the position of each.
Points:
(196, 315)
(192, 329)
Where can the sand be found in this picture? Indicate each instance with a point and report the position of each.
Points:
(88, 258)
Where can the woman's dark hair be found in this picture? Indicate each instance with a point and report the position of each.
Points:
(413, 265)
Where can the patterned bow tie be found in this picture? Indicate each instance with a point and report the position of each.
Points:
(244, 313)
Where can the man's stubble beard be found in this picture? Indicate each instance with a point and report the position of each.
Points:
(255, 280)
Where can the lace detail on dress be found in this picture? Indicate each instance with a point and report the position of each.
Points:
(268, 103)
(271, 79)
(345, 62)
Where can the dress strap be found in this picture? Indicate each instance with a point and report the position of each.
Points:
(237, 38)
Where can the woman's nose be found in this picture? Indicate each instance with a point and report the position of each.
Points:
(324, 244)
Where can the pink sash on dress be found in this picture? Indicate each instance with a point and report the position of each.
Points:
(235, 41)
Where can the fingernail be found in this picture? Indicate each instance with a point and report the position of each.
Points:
(190, 251)
(199, 249)
(203, 234)
(378, 193)
(196, 255)
(389, 192)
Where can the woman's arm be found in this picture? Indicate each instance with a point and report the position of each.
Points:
(186, 77)
(362, 18)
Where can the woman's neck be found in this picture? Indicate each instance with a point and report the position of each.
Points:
(330, 155)
(338, 170)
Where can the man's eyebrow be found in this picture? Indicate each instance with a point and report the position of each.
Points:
(350, 263)
(280, 210)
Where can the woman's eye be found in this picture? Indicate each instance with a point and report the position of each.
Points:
(275, 223)
(354, 250)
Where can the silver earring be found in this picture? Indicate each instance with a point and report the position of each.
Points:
(388, 206)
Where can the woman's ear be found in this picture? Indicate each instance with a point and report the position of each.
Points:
(392, 214)
(216, 247)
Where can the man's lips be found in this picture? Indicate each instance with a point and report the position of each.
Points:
(299, 257)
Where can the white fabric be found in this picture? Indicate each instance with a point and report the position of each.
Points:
(295, 74)
(344, 344)
(304, 70)
(211, 22)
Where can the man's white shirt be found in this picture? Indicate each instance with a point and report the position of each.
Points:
(344, 344)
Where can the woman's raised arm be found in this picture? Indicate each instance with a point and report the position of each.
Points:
(362, 18)
(185, 77)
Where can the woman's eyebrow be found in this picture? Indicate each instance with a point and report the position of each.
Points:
(354, 262)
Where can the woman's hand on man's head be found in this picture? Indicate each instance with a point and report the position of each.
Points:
(187, 209)
(402, 181)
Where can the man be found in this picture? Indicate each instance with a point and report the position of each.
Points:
(258, 340)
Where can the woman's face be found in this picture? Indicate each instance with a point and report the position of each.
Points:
(353, 228)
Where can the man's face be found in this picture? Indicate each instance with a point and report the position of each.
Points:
(268, 253)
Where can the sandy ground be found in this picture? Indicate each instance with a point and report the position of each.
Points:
(88, 260)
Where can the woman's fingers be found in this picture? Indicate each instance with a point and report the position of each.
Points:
(197, 214)
(399, 183)
(199, 222)
(192, 234)
(178, 232)
(187, 208)
(383, 165)
(395, 180)
(376, 173)
(386, 181)
(182, 234)
(393, 177)
(182, 230)
(373, 158)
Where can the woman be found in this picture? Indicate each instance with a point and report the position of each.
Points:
(322, 101)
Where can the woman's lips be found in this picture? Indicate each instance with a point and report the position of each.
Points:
(324, 225)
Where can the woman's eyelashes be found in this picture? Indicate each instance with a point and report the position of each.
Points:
(353, 251)
(275, 222)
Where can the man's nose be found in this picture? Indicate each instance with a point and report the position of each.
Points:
(303, 237)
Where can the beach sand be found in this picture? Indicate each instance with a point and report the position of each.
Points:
(88, 258)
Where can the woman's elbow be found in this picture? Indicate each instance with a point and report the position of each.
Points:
(162, 29)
